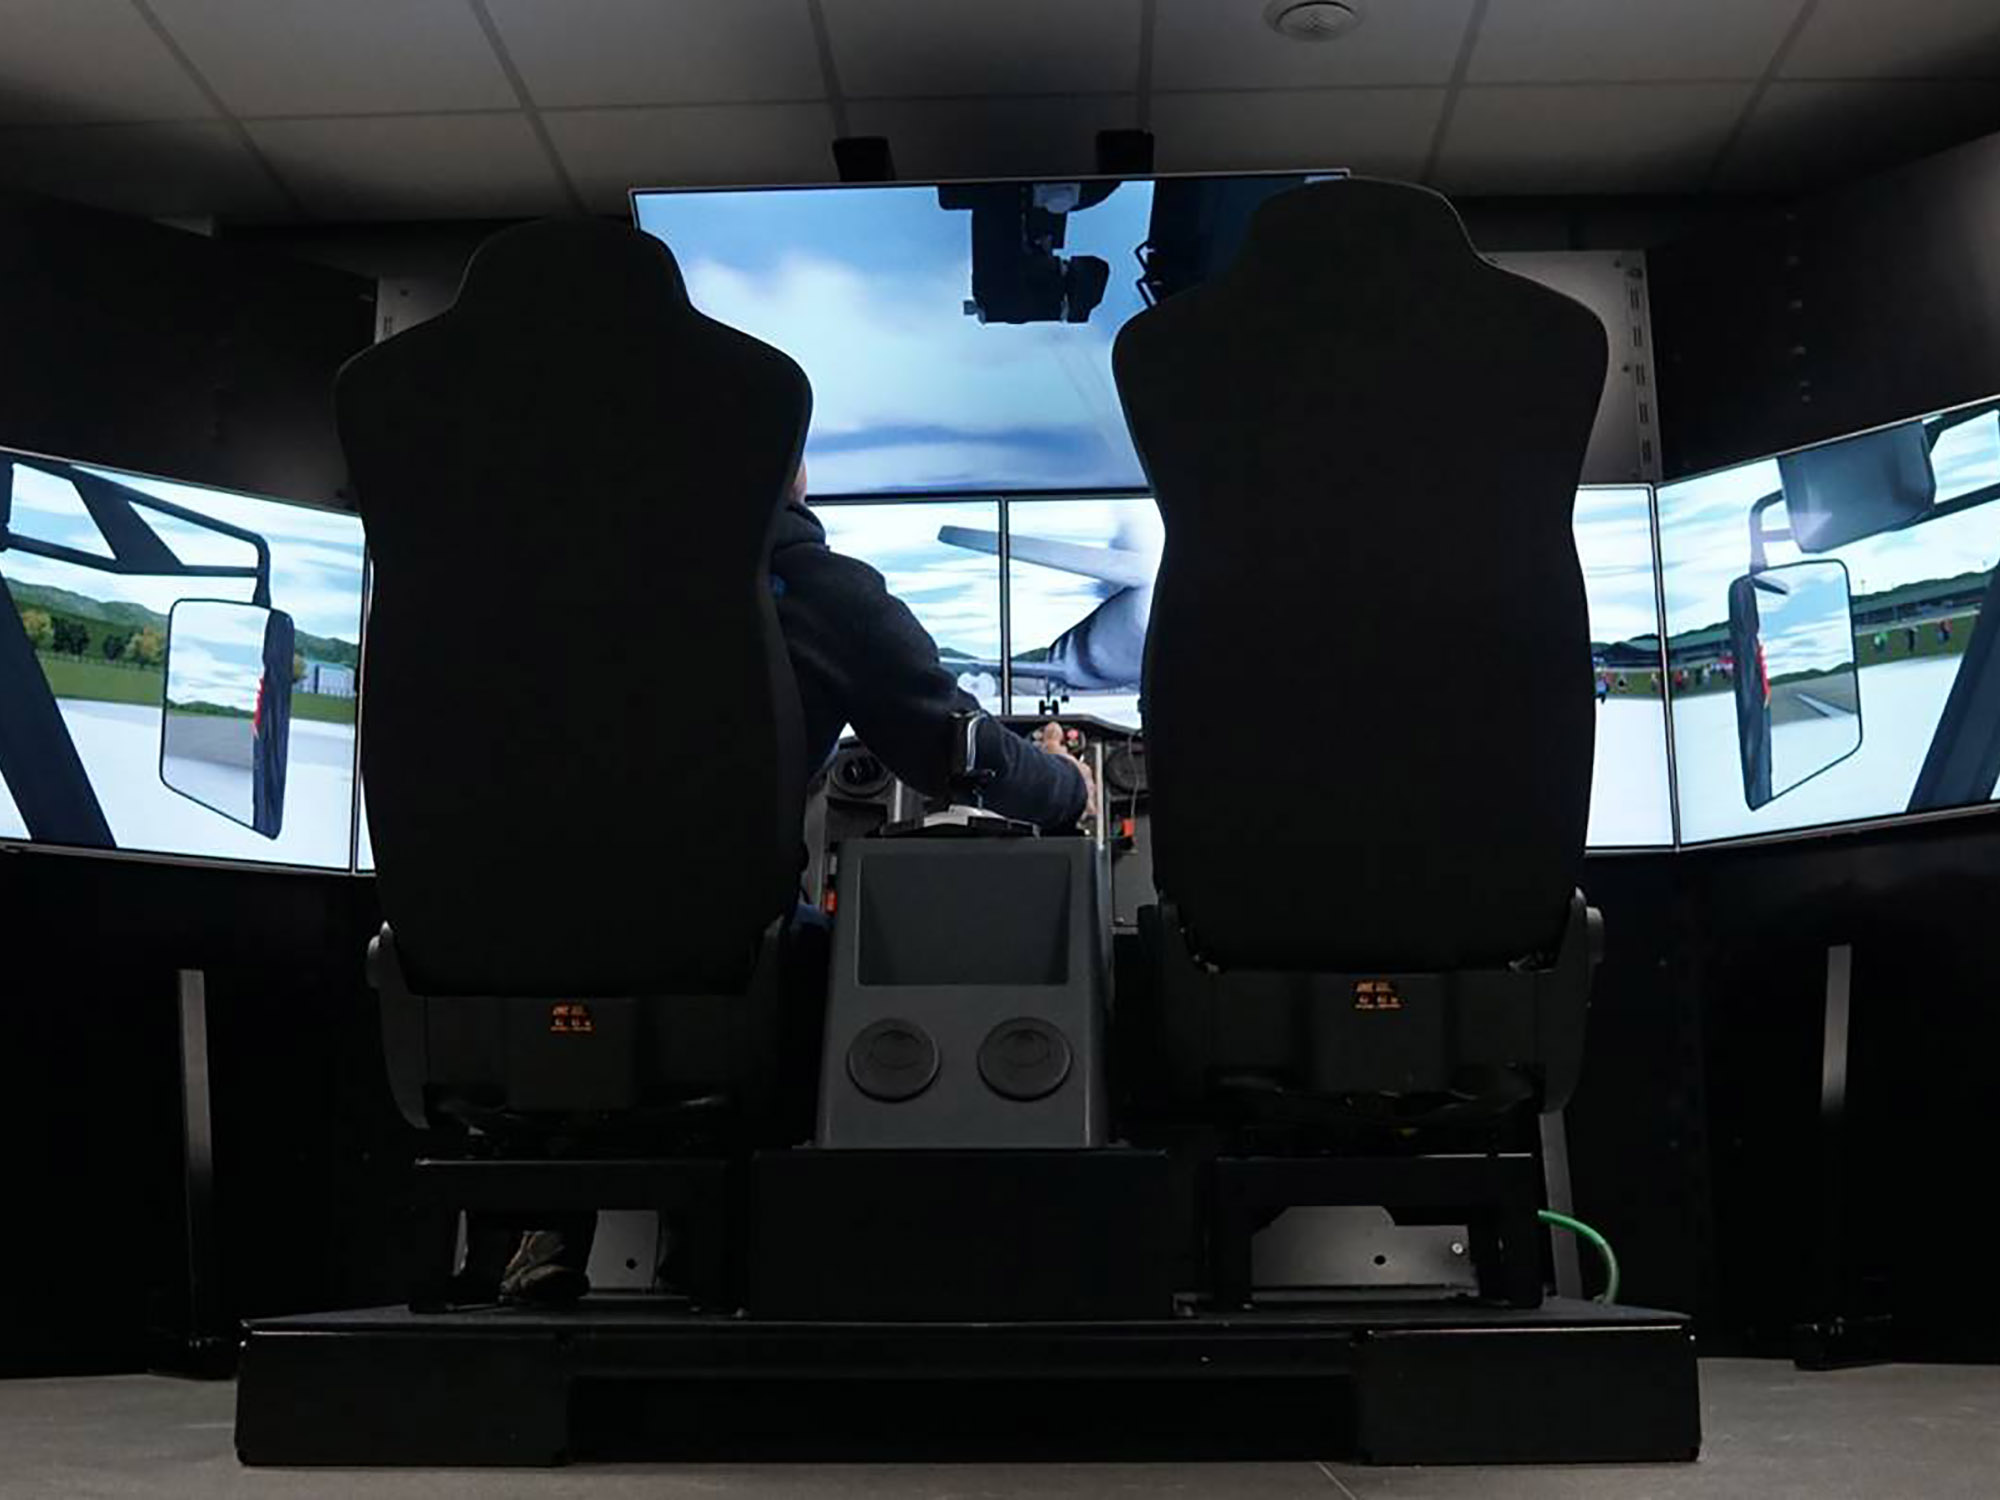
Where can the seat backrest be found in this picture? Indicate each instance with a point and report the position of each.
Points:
(581, 736)
(1365, 441)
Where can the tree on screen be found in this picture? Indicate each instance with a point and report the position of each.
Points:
(40, 627)
(148, 647)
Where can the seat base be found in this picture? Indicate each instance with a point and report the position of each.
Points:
(945, 1236)
(640, 1378)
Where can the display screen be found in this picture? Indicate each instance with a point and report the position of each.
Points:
(958, 338)
(1630, 801)
(1822, 629)
(178, 667)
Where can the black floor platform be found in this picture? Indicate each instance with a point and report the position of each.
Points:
(1440, 1382)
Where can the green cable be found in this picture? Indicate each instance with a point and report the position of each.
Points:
(1582, 1230)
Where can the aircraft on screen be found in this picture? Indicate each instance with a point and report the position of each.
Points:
(1105, 650)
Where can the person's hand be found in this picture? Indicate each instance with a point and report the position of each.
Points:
(1050, 738)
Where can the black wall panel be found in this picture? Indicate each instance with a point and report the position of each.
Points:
(1842, 310)
(149, 348)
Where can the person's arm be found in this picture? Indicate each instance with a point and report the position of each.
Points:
(854, 642)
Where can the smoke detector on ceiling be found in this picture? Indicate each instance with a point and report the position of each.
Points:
(1313, 20)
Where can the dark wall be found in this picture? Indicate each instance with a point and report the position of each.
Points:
(1697, 1138)
(94, 1259)
(1637, 1126)
(132, 344)
(1875, 1220)
(1842, 310)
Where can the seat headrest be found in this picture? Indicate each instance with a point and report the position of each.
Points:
(1393, 227)
(581, 272)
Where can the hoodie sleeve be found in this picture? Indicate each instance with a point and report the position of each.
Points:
(862, 657)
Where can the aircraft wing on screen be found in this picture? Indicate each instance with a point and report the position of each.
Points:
(1119, 566)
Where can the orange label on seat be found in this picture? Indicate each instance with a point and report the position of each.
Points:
(571, 1018)
(1376, 994)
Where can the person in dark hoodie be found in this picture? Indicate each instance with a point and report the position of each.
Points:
(861, 658)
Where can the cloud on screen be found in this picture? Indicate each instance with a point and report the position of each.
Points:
(1614, 542)
(1805, 629)
(866, 289)
(216, 666)
(955, 594)
(47, 509)
(1967, 457)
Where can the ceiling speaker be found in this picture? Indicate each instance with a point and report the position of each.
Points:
(1313, 20)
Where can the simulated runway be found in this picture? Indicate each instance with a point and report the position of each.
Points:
(120, 746)
(1901, 702)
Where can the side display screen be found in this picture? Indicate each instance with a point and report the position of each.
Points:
(178, 667)
(1824, 634)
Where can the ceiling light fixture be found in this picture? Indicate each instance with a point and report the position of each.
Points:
(1313, 20)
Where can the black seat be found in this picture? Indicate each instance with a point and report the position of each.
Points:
(583, 754)
(1365, 441)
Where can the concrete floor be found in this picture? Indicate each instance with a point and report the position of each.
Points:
(1895, 1433)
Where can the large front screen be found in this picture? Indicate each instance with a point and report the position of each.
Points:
(178, 667)
(1823, 612)
(958, 338)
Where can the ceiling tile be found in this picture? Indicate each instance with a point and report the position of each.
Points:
(1898, 39)
(1804, 135)
(1563, 41)
(610, 151)
(921, 48)
(1614, 138)
(339, 57)
(413, 166)
(1217, 44)
(76, 60)
(1378, 132)
(947, 138)
(585, 52)
(164, 171)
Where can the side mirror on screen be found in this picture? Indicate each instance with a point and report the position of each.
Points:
(1798, 695)
(226, 725)
(1841, 492)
